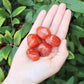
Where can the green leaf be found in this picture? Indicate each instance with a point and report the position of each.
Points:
(28, 17)
(3, 62)
(24, 13)
(39, 0)
(81, 49)
(82, 82)
(73, 62)
(15, 21)
(17, 38)
(50, 82)
(37, 6)
(71, 46)
(77, 15)
(74, 5)
(7, 5)
(5, 51)
(80, 74)
(46, 7)
(74, 39)
(18, 10)
(3, 13)
(79, 21)
(71, 55)
(4, 28)
(26, 2)
(80, 58)
(70, 81)
(25, 29)
(12, 53)
(0, 2)
(1, 57)
(1, 75)
(77, 30)
(13, 31)
(70, 68)
(8, 37)
(2, 39)
(2, 19)
(59, 81)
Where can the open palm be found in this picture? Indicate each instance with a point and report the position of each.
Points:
(57, 20)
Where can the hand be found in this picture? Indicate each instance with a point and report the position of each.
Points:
(24, 70)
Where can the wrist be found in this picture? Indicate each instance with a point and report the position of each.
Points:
(8, 80)
(15, 80)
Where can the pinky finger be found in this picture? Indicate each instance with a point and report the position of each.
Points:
(63, 29)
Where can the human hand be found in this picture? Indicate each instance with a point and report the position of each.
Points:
(25, 71)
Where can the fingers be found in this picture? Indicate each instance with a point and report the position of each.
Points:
(61, 56)
(38, 21)
(50, 15)
(63, 29)
(58, 18)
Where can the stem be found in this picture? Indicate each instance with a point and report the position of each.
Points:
(34, 1)
(11, 21)
(11, 45)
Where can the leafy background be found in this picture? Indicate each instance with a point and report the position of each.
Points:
(16, 19)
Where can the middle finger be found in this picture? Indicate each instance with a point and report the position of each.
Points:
(58, 18)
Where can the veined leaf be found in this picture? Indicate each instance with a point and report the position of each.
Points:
(1, 57)
(4, 28)
(2, 39)
(7, 5)
(25, 29)
(5, 51)
(28, 17)
(74, 5)
(81, 49)
(80, 74)
(39, 0)
(15, 21)
(1, 75)
(3, 13)
(82, 82)
(80, 58)
(18, 10)
(71, 55)
(70, 81)
(77, 30)
(59, 81)
(46, 7)
(17, 38)
(12, 55)
(2, 19)
(8, 36)
(26, 2)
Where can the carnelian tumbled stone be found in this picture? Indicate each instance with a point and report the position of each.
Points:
(44, 49)
(53, 40)
(43, 32)
(33, 54)
(33, 40)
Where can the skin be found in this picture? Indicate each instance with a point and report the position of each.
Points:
(25, 71)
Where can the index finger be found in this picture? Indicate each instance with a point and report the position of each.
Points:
(38, 21)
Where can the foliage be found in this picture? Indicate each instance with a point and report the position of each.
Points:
(14, 13)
